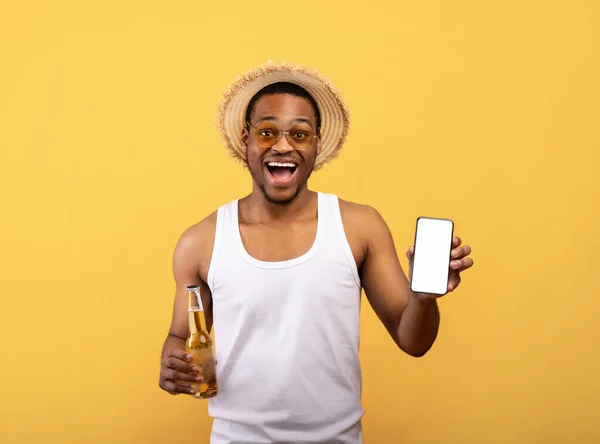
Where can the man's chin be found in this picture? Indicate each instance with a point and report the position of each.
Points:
(282, 196)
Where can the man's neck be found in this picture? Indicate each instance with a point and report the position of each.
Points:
(256, 208)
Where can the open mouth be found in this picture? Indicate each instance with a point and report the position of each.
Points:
(282, 172)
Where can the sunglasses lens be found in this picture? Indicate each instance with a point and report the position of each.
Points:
(301, 137)
(267, 134)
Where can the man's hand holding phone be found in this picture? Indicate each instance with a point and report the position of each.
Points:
(437, 258)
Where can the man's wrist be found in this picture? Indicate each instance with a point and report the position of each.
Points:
(422, 299)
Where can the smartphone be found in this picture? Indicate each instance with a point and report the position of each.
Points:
(431, 261)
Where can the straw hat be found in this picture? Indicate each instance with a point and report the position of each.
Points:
(335, 118)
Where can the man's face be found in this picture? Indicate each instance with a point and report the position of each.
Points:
(281, 184)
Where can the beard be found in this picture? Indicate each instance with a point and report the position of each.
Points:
(278, 202)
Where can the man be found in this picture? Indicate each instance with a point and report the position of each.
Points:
(281, 272)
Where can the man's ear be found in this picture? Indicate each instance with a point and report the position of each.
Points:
(245, 137)
(319, 146)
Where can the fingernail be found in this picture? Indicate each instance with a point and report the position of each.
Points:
(199, 379)
(189, 357)
(192, 392)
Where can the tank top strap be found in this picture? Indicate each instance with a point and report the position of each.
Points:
(335, 228)
(222, 216)
(326, 214)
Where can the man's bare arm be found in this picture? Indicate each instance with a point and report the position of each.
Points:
(190, 261)
(411, 320)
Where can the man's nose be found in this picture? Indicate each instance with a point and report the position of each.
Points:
(283, 145)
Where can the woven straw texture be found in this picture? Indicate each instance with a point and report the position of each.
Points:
(335, 117)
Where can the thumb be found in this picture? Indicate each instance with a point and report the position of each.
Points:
(410, 254)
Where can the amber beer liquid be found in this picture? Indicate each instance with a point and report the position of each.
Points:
(199, 344)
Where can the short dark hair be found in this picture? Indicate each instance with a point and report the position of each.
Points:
(283, 88)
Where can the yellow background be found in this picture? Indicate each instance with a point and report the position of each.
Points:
(485, 112)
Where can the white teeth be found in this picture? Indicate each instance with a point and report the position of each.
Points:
(279, 164)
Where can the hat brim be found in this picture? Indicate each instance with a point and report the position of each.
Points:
(335, 118)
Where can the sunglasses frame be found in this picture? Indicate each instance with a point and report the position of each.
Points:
(252, 129)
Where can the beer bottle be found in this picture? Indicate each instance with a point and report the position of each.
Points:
(199, 344)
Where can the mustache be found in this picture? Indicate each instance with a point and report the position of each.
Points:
(275, 155)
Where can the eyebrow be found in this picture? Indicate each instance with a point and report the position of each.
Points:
(296, 120)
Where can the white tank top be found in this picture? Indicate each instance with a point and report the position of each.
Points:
(286, 338)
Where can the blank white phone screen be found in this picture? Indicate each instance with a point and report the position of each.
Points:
(431, 262)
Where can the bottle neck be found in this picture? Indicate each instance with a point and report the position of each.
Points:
(194, 299)
(197, 321)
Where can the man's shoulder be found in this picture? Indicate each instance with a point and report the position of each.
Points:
(204, 230)
(359, 213)
(365, 225)
(197, 240)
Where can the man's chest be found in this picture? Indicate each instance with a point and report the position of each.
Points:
(284, 242)
(287, 242)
